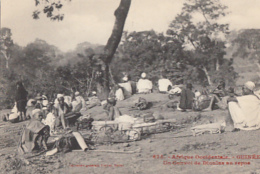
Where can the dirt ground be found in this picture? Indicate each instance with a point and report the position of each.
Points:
(171, 152)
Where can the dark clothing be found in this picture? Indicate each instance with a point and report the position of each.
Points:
(186, 99)
(21, 98)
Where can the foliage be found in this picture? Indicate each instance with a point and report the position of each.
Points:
(203, 36)
(6, 44)
(148, 52)
(248, 44)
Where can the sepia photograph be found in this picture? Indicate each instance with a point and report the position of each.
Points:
(129, 86)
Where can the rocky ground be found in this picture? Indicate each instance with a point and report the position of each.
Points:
(176, 151)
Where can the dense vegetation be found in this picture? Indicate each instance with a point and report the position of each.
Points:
(189, 52)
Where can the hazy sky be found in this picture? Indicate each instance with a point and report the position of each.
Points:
(92, 20)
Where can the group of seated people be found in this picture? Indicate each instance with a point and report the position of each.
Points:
(127, 88)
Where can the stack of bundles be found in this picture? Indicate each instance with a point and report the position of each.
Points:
(98, 125)
(125, 122)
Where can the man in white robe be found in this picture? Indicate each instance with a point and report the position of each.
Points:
(127, 87)
(144, 85)
(164, 85)
(245, 110)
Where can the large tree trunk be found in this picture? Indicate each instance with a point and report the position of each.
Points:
(111, 46)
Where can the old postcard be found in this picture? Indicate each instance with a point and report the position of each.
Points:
(129, 86)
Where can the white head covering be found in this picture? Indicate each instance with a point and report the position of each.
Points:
(125, 78)
(60, 95)
(250, 85)
(143, 75)
(94, 92)
(76, 93)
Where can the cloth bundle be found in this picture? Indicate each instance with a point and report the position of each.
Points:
(214, 128)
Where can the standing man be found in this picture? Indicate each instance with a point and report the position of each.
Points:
(21, 100)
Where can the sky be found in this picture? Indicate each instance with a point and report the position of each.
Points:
(92, 20)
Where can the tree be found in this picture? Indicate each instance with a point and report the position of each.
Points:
(148, 51)
(106, 57)
(204, 36)
(247, 45)
(6, 43)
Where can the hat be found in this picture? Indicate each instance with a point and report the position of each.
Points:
(125, 78)
(94, 92)
(250, 85)
(143, 75)
(76, 93)
(60, 95)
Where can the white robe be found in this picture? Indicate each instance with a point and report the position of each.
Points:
(119, 95)
(127, 88)
(246, 112)
(164, 84)
(144, 86)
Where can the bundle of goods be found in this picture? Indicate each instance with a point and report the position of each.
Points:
(214, 128)
(71, 118)
(141, 103)
(84, 122)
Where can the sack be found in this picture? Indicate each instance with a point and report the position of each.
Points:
(86, 123)
(201, 103)
(149, 118)
(64, 144)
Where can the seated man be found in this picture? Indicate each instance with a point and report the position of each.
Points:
(117, 93)
(244, 110)
(220, 96)
(35, 135)
(187, 97)
(50, 118)
(63, 109)
(164, 84)
(93, 101)
(79, 103)
(127, 87)
(112, 111)
(144, 85)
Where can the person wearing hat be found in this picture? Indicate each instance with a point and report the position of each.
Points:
(127, 87)
(144, 85)
(187, 97)
(93, 100)
(244, 111)
(79, 103)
